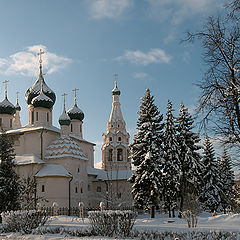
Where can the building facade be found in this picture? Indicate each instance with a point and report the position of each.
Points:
(60, 160)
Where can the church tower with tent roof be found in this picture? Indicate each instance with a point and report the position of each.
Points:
(115, 149)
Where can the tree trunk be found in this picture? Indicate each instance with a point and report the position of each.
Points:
(153, 211)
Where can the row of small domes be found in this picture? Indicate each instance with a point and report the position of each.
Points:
(39, 95)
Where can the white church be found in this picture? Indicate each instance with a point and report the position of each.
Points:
(59, 159)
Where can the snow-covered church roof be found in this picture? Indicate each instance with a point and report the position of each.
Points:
(53, 170)
(26, 159)
(110, 175)
(64, 147)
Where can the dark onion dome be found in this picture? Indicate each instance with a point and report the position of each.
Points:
(34, 91)
(116, 91)
(42, 100)
(75, 113)
(6, 107)
(64, 119)
(17, 107)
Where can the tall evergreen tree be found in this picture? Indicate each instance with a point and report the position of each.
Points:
(172, 163)
(227, 178)
(147, 154)
(211, 184)
(190, 159)
(9, 186)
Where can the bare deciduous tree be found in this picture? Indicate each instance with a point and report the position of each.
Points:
(220, 86)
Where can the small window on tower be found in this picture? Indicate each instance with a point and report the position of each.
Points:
(78, 170)
(89, 187)
(43, 188)
(47, 117)
(76, 190)
(119, 195)
(81, 190)
(110, 139)
(119, 139)
(71, 128)
(10, 123)
(36, 116)
(0, 121)
(118, 125)
(80, 128)
(99, 189)
(110, 155)
(120, 154)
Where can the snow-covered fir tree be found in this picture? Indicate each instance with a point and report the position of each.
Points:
(211, 184)
(227, 178)
(190, 159)
(172, 163)
(9, 186)
(147, 154)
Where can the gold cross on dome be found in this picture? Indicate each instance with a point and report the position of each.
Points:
(5, 82)
(75, 95)
(41, 52)
(64, 101)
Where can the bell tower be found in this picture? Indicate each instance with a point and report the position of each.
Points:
(115, 149)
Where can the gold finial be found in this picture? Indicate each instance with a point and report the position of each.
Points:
(17, 93)
(115, 76)
(64, 101)
(75, 95)
(41, 52)
(5, 82)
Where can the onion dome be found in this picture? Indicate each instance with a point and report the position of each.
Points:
(64, 147)
(34, 91)
(17, 107)
(64, 119)
(42, 100)
(116, 91)
(6, 107)
(75, 113)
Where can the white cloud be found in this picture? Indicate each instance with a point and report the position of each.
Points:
(140, 75)
(138, 57)
(178, 10)
(109, 8)
(26, 62)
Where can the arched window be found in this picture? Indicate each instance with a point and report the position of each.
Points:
(43, 188)
(119, 139)
(71, 127)
(32, 117)
(110, 139)
(10, 123)
(36, 116)
(76, 190)
(120, 154)
(47, 117)
(110, 155)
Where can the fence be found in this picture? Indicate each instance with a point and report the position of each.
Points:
(74, 211)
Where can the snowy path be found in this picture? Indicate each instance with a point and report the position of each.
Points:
(227, 222)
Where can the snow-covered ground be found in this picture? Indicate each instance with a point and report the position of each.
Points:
(225, 222)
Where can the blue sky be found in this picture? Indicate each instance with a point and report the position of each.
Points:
(88, 41)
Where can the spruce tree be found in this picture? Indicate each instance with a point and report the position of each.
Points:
(190, 159)
(227, 179)
(211, 184)
(172, 163)
(9, 186)
(147, 154)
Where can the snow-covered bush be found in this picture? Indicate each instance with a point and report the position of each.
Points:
(109, 223)
(187, 235)
(23, 221)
